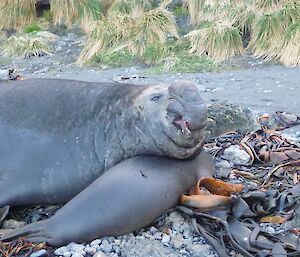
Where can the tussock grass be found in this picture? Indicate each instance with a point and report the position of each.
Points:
(218, 40)
(107, 35)
(290, 52)
(14, 14)
(122, 31)
(128, 6)
(152, 28)
(25, 46)
(66, 11)
(267, 36)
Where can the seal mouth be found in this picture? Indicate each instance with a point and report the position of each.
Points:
(182, 133)
(183, 125)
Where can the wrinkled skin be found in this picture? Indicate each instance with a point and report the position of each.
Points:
(57, 136)
(129, 196)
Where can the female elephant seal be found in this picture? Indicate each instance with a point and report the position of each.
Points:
(57, 136)
(129, 196)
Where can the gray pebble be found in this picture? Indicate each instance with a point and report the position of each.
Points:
(157, 235)
(90, 250)
(116, 249)
(13, 224)
(100, 254)
(153, 230)
(39, 253)
(236, 155)
(165, 239)
(117, 242)
(177, 241)
(270, 230)
(61, 250)
(199, 249)
(76, 247)
(106, 247)
(96, 242)
(183, 251)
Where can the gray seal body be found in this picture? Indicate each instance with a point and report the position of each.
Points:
(129, 196)
(57, 136)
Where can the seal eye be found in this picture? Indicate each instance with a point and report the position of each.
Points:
(155, 97)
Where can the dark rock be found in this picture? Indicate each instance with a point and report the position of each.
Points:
(224, 117)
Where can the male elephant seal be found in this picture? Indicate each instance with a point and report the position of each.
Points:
(129, 196)
(57, 136)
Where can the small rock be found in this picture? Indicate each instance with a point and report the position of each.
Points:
(199, 249)
(39, 253)
(99, 254)
(61, 250)
(270, 230)
(106, 247)
(95, 242)
(183, 252)
(90, 250)
(116, 249)
(75, 247)
(177, 241)
(223, 169)
(117, 242)
(157, 235)
(13, 224)
(175, 221)
(153, 230)
(67, 254)
(236, 155)
(165, 239)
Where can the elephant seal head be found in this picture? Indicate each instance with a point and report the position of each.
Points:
(173, 118)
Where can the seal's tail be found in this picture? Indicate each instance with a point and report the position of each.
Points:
(34, 232)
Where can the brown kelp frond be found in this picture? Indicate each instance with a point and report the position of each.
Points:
(267, 36)
(107, 34)
(14, 14)
(290, 52)
(25, 46)
(219, 40)
(152, 28)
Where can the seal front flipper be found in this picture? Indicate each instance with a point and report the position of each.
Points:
(35, 232)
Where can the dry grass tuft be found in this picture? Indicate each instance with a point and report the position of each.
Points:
(152, 28)
(290, 52)
(134, 32)
(218, 40)
(267, 36)
(107, 35)
(15, 14)
(66, 11)
(25, 46)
